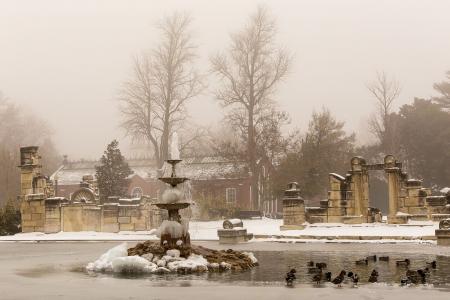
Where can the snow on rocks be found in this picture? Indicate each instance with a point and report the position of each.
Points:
(225, 266)
(173, 252)
(251, 256)
(122, 260)
(194, 263)
(132, 264)
(161, 263)
(104, 263)
(148, 256)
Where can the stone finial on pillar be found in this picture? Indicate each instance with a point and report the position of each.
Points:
(293, 208)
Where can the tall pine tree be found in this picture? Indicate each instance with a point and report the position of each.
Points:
(112, 172)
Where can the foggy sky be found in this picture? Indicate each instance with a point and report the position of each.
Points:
(65, 60)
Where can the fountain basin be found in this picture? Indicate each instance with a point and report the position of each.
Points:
(172, 206)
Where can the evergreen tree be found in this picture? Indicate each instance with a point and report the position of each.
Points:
(443, 88)
(325, 148)
(112, 172)
(425, 138)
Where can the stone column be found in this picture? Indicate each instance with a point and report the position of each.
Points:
(393, 186)
(358, 192)
(293, 208)
(360, 187)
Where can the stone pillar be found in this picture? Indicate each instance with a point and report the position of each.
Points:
(393, 192)
(360, 180)
(32, 198)
(293, 208)
(30, 168)
(358, 192)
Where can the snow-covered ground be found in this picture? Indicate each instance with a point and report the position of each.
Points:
(262, 228)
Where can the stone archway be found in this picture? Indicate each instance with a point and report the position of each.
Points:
(348, 198)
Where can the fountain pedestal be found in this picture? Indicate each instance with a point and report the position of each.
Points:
(443, 233)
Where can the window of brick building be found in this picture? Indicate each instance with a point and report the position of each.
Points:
(230, 194)
(137, 192)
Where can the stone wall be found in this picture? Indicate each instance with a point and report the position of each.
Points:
(43, 212)
(57, 214)
(348, 197)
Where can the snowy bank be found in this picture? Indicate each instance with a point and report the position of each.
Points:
(261, 228)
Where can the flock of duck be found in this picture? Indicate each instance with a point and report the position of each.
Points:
(317, 270)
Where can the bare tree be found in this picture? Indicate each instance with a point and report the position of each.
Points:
(444, 89)
(385, 92)
(28, 130)
(153, 101)
(250, 73)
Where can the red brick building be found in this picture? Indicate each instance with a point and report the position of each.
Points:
(215, 183)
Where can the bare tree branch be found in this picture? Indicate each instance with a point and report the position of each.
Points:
(153, 101)
(250, 72)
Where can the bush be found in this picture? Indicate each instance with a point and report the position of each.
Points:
(9, 219)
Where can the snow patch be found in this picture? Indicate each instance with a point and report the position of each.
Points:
(104, 263)
(445, 190)
(132, 264)
(175, 229)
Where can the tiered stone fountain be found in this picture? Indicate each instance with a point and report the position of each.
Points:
(174, 232)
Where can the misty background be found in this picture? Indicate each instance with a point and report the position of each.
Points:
(65, 61)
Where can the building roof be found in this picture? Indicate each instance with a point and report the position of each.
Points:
(193, 168)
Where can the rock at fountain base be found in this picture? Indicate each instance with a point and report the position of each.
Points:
(183, 243)
(218, 260)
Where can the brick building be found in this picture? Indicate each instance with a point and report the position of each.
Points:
(218, 183)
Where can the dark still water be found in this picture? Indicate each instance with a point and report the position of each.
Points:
(273, 266)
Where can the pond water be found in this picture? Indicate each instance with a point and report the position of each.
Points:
(274, 265)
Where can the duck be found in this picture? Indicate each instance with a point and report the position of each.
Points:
(383, 258)
(364, 261)
(321, 265)
(373, 276)
(372, 257)
(423, 276)
(412, 276)
(405, 262)
(318, 277)
(339, 279)
(432, 264)
(328, 276)
(290, 277)
(354, 277)
(404, 281)
(310, 264)
(314, 270)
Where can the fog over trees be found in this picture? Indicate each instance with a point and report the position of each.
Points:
(245, 78)
(18, 128)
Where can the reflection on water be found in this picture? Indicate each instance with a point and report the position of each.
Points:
(274, 265)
